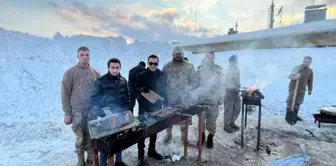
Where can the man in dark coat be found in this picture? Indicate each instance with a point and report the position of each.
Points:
(111, 91)
(131, 81)
(151, 79)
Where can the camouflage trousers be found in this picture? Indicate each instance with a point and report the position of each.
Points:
(298, 101)
(209, 119)
(232, 106)
(81, 130)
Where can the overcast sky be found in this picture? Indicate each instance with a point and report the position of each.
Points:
(148, 20)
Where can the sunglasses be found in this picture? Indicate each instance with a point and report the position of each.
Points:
(153, 63)
(84, 54)
(178, 54)
(112, 67)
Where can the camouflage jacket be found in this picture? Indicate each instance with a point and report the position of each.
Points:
(306, 79)
(181, 78)
(211, 80)
(232, 83)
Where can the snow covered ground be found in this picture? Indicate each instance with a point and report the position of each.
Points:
(31, 119)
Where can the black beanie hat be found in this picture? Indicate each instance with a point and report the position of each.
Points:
(233, 57)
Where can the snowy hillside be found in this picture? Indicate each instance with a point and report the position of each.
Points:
(32, 67)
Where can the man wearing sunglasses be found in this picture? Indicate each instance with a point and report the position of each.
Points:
(151, 79)
(210, 78)
(77, 83)
(111, 91)
(181, 78)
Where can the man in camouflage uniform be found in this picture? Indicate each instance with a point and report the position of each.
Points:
(305, 76)
(210, 77)
(180, 79)
(77, 84)
(232, 101)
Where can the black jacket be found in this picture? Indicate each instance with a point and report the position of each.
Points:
(132, 77)
(110, 91)
(155, 81)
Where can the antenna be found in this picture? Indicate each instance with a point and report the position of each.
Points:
(292, 12)
(195, 22)
(272, 15)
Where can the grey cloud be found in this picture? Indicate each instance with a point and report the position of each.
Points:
(161, 29)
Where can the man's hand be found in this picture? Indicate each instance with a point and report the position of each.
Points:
(67, 119)
(309, 92)
(297, 76)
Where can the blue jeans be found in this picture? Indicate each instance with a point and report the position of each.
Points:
(103, 158)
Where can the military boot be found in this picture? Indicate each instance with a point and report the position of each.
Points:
(210, 141)
(234, 126)
(228, 128)
(80, 158)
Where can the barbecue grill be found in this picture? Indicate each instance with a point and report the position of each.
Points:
(250, 97)
(149, 125)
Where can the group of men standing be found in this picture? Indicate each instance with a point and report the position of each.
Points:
(85, 93)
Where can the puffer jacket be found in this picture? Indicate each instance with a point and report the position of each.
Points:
(110, 91)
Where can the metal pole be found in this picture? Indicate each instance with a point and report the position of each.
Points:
(186, 139)
(199, 146)
(242, 127)
(245, 115)
(281, 19)
(292, 12)
(259, 127)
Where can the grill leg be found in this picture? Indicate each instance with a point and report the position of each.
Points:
(95, 157)
(245, 115)
(110, 161)
(259, 127)
(242, 128)
(199, 146)
(186, 139)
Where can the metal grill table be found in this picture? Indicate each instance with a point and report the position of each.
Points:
(115, 143)
(248, 99)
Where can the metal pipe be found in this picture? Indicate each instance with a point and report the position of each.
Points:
(242, 127)
(245, 115)
(186, 139)
(259, 127)
(200, 123)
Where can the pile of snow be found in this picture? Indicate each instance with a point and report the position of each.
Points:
(31, 119)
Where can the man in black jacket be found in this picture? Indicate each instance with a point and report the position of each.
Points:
(110, 90)
(151, 79)
(131, 81)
